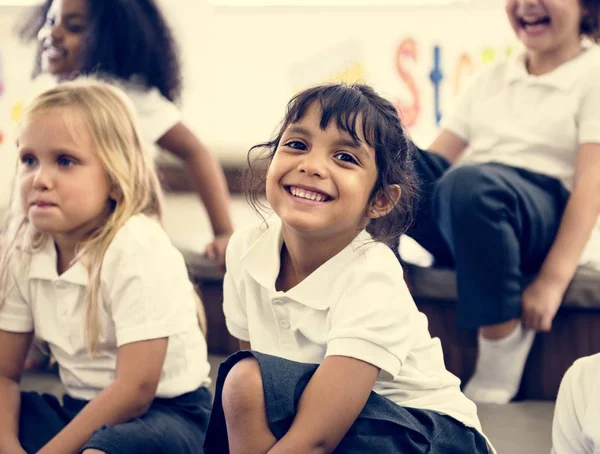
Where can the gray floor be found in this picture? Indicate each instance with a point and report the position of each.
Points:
(518, 428)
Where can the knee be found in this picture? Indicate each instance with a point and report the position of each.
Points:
(469, 190)
(243, 389)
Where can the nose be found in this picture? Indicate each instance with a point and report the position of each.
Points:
(42, 181)
(314, 163)
(525, 3)
(56, 32)
(53, 32)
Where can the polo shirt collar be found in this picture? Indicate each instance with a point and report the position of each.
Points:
(43, 266)
(262, 262)
(562, 78)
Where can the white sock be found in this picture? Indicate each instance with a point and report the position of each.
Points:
(500, 365)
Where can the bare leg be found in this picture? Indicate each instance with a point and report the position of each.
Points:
(245, 412)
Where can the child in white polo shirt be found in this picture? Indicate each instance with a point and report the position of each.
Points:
(131, 45)
(341, 358)
(577, 411)
(86, 267)
(519, 212)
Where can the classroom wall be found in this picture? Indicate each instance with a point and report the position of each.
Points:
(242, 64)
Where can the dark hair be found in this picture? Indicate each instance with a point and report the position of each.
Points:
(590, 23)
(351, 107)
(126, 38)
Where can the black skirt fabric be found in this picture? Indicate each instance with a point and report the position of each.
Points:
(381, 427)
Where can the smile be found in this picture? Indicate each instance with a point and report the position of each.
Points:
(541, 21)
(307, 194)
(53, 53)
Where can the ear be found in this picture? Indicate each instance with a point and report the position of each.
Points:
(383, 203)
(114, 193)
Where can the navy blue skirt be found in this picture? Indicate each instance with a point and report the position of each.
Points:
(176, 425)
(381, 427)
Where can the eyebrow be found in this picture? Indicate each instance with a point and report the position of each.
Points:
(60, 151)
(356, 145)
(348, 142)
(70, 16)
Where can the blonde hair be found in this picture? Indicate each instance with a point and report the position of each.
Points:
(109, 119)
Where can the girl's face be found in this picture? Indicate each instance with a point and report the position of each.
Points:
(320, 181)
(65, 189)
(546, 26)
(63, 36)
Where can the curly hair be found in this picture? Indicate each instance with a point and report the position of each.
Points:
(590, 22)
(126, 38)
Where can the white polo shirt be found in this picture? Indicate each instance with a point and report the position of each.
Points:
(356, 305)
(145, 294)
(532, 122)
(575, 429)
(156, 114)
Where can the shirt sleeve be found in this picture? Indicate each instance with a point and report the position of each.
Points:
(589, 113)
(150, 294)
(234, 307)
(458, 117)
(567, 432)
(156, 114)
(15, 313)
(372, 322)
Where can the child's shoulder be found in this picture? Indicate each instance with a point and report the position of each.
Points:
(585, 371)
(140, 235)
(143, 96)
(372, 261)
(589, 66)
(487, 78)
(244, 237)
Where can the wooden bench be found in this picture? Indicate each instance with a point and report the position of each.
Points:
(574, 332)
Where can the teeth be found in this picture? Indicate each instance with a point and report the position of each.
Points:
(304, 194)
(538, 21)
(52, 52)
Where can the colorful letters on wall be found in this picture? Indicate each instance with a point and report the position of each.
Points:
(408, 52)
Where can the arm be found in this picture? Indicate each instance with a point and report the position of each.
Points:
(245, 345)
(448, 145)
(578, 221)
(12, 360)
(139, 366)
(331, 402)
(209, 180)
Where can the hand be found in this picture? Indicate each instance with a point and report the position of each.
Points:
(540, 302)
(216, 249)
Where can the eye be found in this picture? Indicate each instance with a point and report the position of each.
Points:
(65, 161)
(296, 145)
(28, 160)
(346, 157)
(75, 28)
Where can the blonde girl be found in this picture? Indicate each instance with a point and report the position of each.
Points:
(87, 268)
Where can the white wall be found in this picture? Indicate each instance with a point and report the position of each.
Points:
(243, 64)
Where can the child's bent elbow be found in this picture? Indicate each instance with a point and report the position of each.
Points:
(140, 396)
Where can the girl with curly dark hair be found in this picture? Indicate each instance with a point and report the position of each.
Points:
(129, 43)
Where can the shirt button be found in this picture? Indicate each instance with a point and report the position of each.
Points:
(277, 301)
(59, 284)
(284, 324)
